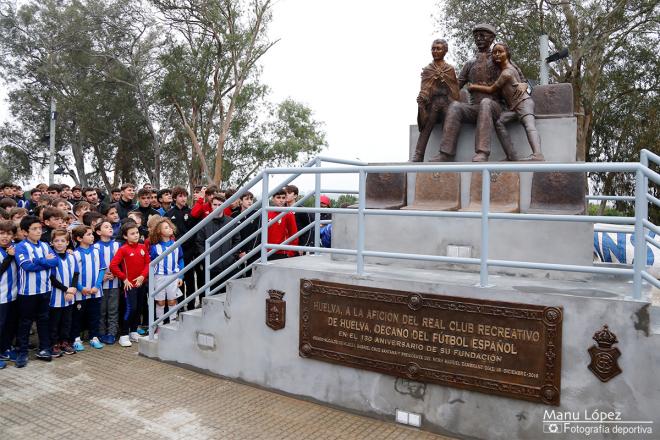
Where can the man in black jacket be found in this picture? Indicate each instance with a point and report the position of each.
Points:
(302, 218)
(144, 208)
(206, 232)
(126, 203)
(246, 201)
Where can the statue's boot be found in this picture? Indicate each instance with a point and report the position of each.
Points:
(418, 156)
(480, 157)
(538, 157)
(442, 157)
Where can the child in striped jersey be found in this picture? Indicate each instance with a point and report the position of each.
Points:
(8, 289)
(64, 279)
(109, 324)
(35, 260)
(167, 279)
(88, 297)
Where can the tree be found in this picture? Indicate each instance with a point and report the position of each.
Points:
(50, 50)
(224, 39)
(212, 83)
(624, 116)
(596, 33)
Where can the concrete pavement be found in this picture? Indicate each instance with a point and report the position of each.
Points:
(116, 394)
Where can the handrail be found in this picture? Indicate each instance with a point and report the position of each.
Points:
(264, 200)
(614, 198)
(240, 227)
(210, 217)
(623, 167)
(262, 208)
(237, 263)
(646, 155)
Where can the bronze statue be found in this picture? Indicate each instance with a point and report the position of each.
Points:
(520, 104)
(482, 109)
(439, 88)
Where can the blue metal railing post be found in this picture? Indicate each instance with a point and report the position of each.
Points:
(361, 226)
(264, 217)
(485, 207)
(641, 212)
(207, 268)
(151, 287)
(317, 204)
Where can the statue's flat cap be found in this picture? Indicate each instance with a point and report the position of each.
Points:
(484, 27)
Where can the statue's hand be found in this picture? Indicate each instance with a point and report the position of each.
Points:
(521, 88)
(422, 100)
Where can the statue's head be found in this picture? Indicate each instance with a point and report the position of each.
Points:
(501, 52)
(439, 49)
(484, 35)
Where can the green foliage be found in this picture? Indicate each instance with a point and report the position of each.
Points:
(595, 209)
(346, 200)
(342, 200)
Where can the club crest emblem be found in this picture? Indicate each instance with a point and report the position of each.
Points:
(142, 252)
(604, 357)
(275, 310)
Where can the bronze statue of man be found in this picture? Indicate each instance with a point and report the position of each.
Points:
(439, 88)
(482, 108)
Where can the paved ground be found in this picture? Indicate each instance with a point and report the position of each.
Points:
(115, 394)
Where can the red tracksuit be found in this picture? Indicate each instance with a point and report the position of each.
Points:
(281, 230)
(131, 261)
(200, 209)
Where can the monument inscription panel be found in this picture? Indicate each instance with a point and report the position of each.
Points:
(503, 348)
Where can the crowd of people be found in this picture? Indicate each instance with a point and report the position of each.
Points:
(76, 261)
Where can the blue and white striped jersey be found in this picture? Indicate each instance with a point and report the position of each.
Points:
(171, 264)
(64, 274)
(8, 280)
(91, 271)
(33, 267)
(107, 250)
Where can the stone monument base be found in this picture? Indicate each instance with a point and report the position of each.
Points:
(229, 337)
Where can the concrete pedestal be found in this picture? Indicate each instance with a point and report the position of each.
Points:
(229, 337)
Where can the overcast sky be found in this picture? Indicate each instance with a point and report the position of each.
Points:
(356, 64)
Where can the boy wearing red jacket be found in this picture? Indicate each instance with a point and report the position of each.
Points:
(284, 228)
(202, 206)
(131, 265)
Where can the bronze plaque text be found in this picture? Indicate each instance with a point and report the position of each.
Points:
(509, 349)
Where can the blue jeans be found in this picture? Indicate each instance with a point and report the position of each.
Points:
(128, 310)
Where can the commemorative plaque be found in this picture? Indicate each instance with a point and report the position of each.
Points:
(502, 348)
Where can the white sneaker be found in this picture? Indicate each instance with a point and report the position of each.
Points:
(124, 341)
(134, 337)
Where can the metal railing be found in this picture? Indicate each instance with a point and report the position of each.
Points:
(261, 210)
(228, 230)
